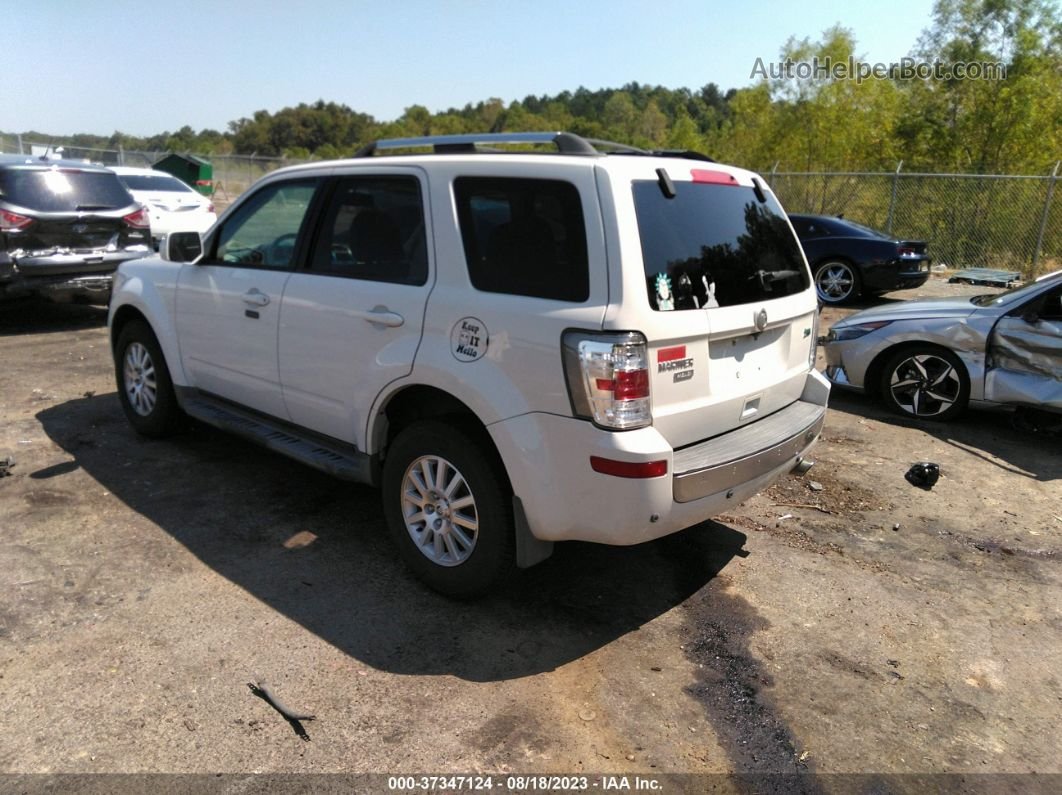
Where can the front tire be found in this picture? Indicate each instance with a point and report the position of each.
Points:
(449, 509)
(837, 281)
(925, 382)
(144, 386)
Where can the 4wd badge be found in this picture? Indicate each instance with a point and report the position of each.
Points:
(469, 339)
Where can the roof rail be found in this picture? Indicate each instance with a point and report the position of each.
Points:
(566, 143)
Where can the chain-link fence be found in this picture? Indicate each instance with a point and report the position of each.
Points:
(1010, 222)
(998, 221)
(233, 174)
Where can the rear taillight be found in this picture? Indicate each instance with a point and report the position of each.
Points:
(814, 338)
(608, 378)
(907, 252)
(10, 222)
(139, 220)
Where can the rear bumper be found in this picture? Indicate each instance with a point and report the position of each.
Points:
(93, 285)
(896, 275)
(748, 453)
(548, 461)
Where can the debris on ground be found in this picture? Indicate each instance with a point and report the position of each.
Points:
(814, 485)
(924, 475)
(6, 465)
(295, 718)
(986, 276)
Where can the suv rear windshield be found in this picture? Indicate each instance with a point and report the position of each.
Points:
(715, 245)
(56, 190)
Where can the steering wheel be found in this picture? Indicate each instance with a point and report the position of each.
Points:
(279, 252)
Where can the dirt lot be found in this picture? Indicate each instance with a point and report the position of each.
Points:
(865, 628)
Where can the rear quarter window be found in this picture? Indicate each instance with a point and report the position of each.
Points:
(715, 245)
(524, 237)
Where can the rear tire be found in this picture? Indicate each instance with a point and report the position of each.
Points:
(449, 509)
(837, 281)
(144, 386)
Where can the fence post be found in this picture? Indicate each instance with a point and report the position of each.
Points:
(892, 199)
(1043, 221)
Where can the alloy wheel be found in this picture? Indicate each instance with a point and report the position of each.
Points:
(439, 511)
(925, 385)
(139, 379)
(835, 282)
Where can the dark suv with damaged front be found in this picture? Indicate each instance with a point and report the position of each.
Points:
(65, 226)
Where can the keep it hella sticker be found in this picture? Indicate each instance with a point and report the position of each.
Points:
(469, 339)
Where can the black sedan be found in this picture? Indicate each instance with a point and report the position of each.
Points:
(848, 259)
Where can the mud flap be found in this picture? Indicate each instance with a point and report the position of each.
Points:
(529, 550)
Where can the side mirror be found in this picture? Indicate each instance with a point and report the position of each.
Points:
(182, 247)
(1032, 317)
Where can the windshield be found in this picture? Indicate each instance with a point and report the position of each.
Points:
(56, 190)
(1012, 295)
(163, 182)
(715, 245)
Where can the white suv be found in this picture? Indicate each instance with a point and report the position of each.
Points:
(596, 343)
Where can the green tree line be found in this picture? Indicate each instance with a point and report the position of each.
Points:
(826, 122)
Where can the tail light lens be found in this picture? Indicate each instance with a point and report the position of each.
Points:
(10, 222)
(138, 220)
(608, 378)
(814, 337)
(906, 251)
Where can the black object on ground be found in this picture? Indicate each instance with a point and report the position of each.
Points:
(923, 474)
(6, 465)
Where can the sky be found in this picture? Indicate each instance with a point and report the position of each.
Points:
(143, 68)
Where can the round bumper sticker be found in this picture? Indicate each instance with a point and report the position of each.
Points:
(469, 339)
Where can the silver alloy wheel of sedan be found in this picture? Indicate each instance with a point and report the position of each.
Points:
(835, 281)
(925, 385)
(139, 379)
(439, 511)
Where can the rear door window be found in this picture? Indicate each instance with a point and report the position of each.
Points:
(374, 229)
(62, 190)
(715, 245)
(524, 237)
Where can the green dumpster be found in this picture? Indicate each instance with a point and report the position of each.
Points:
(191, 170)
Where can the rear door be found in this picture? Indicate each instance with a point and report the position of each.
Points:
(351, 320)
(228, 304)
(725, 297)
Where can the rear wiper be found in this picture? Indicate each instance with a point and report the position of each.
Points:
(766, 278)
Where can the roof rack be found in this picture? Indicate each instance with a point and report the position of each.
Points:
(566, 143)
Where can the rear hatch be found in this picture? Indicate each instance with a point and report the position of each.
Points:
(724, 297)
(72, 212)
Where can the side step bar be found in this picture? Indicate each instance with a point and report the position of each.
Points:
(329, 455)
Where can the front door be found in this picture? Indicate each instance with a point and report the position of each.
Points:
(1025, 354)
(228, 304)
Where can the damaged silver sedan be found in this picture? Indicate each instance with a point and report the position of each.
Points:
(930, 358)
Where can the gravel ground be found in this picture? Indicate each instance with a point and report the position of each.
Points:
(860, 626)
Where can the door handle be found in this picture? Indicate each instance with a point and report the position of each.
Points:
(255, 297)
(381, 315)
